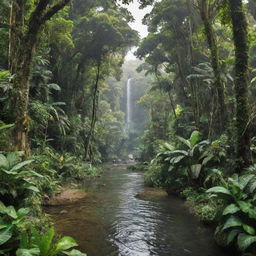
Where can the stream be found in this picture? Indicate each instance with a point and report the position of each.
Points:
(112, 221)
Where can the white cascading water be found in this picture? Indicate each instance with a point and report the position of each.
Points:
(128, 104)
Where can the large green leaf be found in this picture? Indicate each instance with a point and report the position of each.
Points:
(10, 211)
(244, 241)
(13, 158)
(4, 162)
(244, 206)
(176, 159)
(221, 191)
(195, 137)
(231, 222)
(245, 179)
(231, 209)
(23, 212)
(249, 229)
(75, 252)
(5, 234)
(232, 235)
(46, 242)
(183, 152)
(33, 188)
(195, 170)
(28, 252)
(20, 165)
(65, 243)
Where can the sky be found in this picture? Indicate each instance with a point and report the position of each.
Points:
(138, 15)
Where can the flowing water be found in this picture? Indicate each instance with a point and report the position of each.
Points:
(112, 221)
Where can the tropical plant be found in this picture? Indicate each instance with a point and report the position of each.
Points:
(192, 157)
(237, 223)
(15, 178)
(46, 244)
(11, 222)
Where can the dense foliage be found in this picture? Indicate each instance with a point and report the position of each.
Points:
(202, 110)
(63, 109)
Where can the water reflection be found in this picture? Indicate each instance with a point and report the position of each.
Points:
(113, 222)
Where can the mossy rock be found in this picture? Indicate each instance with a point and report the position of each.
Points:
(68, 196)
(152, 194)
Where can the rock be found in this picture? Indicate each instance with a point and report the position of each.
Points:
(151, 194)
(66, 197)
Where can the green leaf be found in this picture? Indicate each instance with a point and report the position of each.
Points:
(231, 209)
(244, 206)
(252, 213)
(252, 186)
(250, 230)
(179, 152)
(23, 212)
(244, 241)
(207, 159)
(28, 252)
(232, 235)
(231, 222)
(220, 191)
(33, 188)
(245, 179)
(13, 158)
(6, 126)
(194, 138)
(2, 208)
(75, 253)
(4, 162)
(65, 243)
(10, 211)
(55, 87)
(46, 241)
(195, 170)
(5, 234)
(168, 146)
(176, 159)
(20, 165)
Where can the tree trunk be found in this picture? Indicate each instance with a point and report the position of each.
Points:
(240, 35)
(221, 119)
(94, 112)
(22, 41)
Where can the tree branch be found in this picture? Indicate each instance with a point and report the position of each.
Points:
(54, 9)
(38, 11)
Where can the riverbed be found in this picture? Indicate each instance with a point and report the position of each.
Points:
(113, 221)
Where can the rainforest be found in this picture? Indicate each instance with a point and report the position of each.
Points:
(127, 127)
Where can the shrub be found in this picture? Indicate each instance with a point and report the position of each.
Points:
(238, 219)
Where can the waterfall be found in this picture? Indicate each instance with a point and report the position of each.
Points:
(128, 104)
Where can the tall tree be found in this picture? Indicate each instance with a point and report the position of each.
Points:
(240, 34)
(24, 29)
(206, 10)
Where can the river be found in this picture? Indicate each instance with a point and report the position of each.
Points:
(112, 221)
